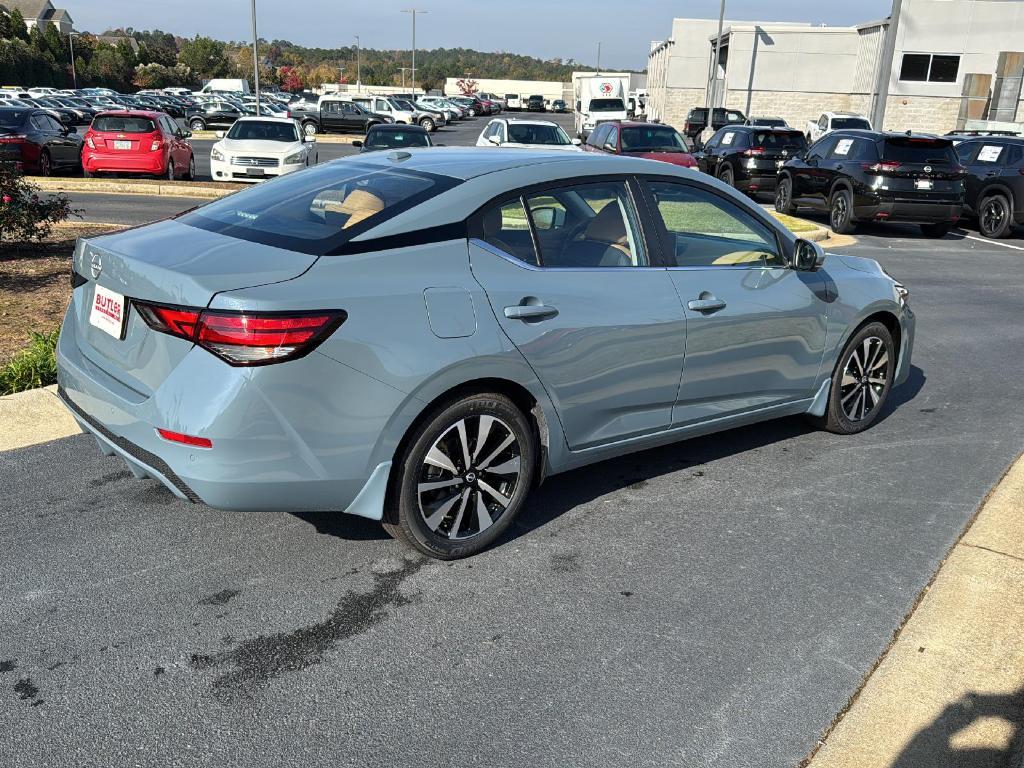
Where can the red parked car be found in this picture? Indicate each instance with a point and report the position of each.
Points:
(137, 141)
(653, 141)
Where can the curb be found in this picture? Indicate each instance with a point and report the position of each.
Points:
(34, 416)
(148, 188)
(321, 138)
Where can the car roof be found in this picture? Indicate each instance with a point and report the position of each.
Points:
(394, 127)
(524, 121)
(265, 119)
(843, 114)
(150, 113)
(865, 133)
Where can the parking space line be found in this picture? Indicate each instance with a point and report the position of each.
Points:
(993, 242)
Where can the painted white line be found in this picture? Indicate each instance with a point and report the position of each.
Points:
(991, 242)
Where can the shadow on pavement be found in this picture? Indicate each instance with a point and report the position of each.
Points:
(932, 746)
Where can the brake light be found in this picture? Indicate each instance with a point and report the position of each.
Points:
(178, 437)
(17, 138)
(245, 338)
(881, 166)
(89, 142)
(155, 146)
(754, 151)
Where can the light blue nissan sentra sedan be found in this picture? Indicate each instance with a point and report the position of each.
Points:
(419, 337)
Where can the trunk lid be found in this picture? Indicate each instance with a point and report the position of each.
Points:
(165, 263)
(920, 168)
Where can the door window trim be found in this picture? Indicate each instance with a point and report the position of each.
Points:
(662, 231)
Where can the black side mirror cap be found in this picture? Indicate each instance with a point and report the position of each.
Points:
(807, 256)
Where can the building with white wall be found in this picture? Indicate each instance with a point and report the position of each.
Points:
(549, 89)
(796, 71)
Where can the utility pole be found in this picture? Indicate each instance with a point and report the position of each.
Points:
(255, 58)
(885, 67)
(359, 80)
(598, 58)
(714, 64)
(404, 70)
(74, 75)
(414, 11)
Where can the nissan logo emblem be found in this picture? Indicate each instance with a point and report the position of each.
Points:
(927, 169)
(95, 265)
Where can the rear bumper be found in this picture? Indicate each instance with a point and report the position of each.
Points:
(278, 445)
(757, 181)
(222, 171)
(896, 209)
(124, 162)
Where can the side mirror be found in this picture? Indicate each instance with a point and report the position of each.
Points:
(807, 256)
(309, 138)
(494, 140)
(185, 134)
(548, 217)
(609, 146)
(577, 142)
(357, 143)
(219, 134)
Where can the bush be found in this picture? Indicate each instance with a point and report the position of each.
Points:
(35, 366)
(24, 213)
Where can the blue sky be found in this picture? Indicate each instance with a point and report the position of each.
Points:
(544, 28)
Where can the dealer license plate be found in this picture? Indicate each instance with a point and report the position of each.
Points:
(107, 312)
(923, 183)
(254, 171)
(122, 144)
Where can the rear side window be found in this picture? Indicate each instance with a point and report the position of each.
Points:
(123, 124)
(920, 151)
(844, 123)
(320, 209)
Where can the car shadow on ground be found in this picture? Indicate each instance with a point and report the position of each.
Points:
(567, 491)
(932, 746)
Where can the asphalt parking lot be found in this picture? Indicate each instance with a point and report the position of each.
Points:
(711, 603)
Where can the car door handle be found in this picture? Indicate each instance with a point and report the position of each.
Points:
(530, 312)
(709, 304)
(990, 174)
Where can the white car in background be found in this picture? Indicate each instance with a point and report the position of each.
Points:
(452, 110)
(258, 148)
(834, 121)
(533, 134)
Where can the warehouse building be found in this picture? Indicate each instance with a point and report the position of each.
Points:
(953, 60)
(549, 89)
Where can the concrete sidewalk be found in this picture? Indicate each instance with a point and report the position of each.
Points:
(949, 693)
(35, 416)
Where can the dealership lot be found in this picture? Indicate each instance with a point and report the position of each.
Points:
(715, 602)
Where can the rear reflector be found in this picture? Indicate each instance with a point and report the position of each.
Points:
(178, 437)
(245, 338)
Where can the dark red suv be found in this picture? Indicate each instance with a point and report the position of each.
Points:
(653, 141)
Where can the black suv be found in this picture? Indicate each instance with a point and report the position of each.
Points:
(995, 182)
(535, 104)
(858, 175)
(749, 157)
(697, 120)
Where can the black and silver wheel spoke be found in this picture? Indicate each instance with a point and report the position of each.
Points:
(864, 379)
(469, 477)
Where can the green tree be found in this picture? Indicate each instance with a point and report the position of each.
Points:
(18, 27)
(55, 44)
(205, 57)
(5, 26)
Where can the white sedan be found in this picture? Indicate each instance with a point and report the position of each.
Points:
(531, 134)
(257, 148)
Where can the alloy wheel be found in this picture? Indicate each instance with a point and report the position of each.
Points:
(992, 216)
(840, 211)
(44, 164)
(469, 477)
(309, 129)
(864, 379)
(782, 198)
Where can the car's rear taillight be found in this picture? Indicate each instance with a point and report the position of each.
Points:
(245, 338)
(754, 151)
(89, 142)
(155, 146)
(883, 166)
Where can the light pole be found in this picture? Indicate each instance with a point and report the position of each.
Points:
(404, 70)
(414, 11)
(74, 74)
(255, 58)
(359, 80)
(599, 58)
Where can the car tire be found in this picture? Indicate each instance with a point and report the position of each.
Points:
(309, 128)
(169, 173)
(45, 164)
(472, 112)
(840, 216)
(191, 175)
(726, 176)
(474, 504)
(857, 397)
(994, 216)
(86, 174)
(196, 125)
(428, 125)
(935, 230)
(784, 197)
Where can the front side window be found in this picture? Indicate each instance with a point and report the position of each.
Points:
(704, 230)
(529, 133)
(651, 138)
(822, 147)
(320, 209)
(612, 142)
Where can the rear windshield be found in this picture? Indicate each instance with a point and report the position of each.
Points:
(606, 105)
(390, 139)
(920, 151)
(779, 140)
(651, 138)
(10, 118)
(320, 209)
(537, 134)
(838, 123)
(122, 124)
(258, 130)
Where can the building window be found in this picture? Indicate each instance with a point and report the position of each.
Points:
(925, 67)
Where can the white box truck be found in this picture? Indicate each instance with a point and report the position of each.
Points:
(598, 100)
